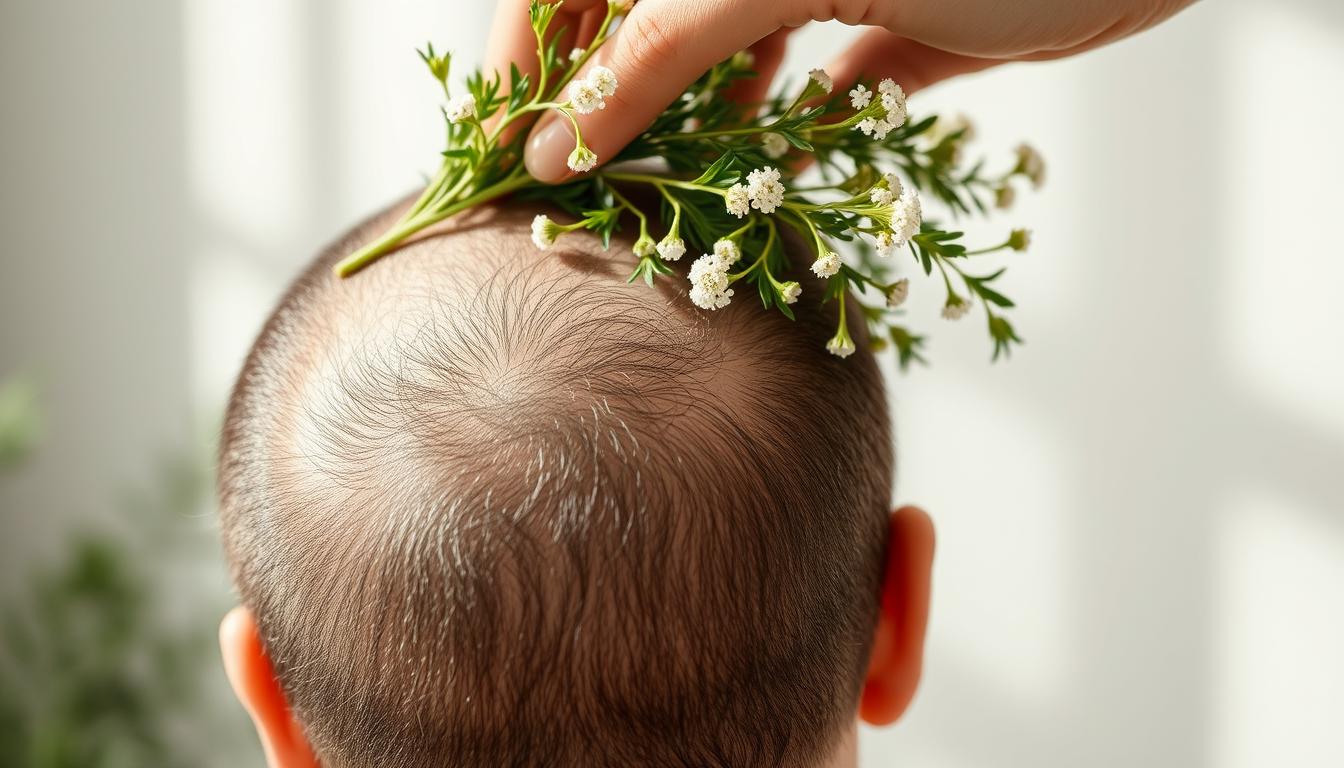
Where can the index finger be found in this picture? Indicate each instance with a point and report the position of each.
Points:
(660, 49)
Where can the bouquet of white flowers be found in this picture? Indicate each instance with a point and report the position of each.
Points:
(730, 182)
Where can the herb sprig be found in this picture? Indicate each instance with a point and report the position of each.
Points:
(727, 185)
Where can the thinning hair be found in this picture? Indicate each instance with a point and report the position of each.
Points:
(498, 508)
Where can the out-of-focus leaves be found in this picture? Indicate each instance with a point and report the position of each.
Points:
(20, 419)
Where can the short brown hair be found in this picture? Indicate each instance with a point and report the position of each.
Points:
(497, 508)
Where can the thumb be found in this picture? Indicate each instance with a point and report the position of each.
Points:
(660, 48)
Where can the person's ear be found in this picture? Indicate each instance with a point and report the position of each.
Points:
(898, 648)
(253, 680)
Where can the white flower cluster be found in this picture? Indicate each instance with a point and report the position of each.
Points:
(822, 79)
(589, 94)
(1031, 164)
(860, 97)
(899, 292)
(544, 231)
(840, 346)
(582, 159)
(907, 214)
(671, 248)
(763, 191)
(774, 146)
(461, 108)
(827, 264)
(956, 311)
(736, 200)
(893, 101)
(645, 247)
(709, 276)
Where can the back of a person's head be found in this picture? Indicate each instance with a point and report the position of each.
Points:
(493, 507)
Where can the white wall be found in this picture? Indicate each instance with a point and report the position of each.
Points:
(1142, 531)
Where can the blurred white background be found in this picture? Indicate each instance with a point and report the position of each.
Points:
(1141, 516)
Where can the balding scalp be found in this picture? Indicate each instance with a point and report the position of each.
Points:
(493, 508)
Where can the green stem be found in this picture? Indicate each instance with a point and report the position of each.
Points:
(643, 220)
(658, 181)
(760, 260)
(598, 40)
(430, 190)
(676, 211)
(991, 249)
(409, 226)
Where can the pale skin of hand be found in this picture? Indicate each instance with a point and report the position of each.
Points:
(664, 45)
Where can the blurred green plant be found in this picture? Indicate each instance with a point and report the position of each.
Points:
(96, 668)
(20, 420)
(90, 674)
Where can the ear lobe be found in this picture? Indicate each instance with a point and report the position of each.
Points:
(253, 679)
(898, 649)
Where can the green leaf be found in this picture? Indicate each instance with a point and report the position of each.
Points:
(718, 171)
(1004, 336)
(765, 289)
(907, 346)
(797, 141)
(20, 419)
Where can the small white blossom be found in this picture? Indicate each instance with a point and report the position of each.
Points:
(644, 247)
(671, 248)
(603, 79)
(826, 265)
(765, 190)
(840, 346)
(893, 182)
(582, 160)
(956, 311)
(737, 200)
(1031, 164)
(585, 97)
(866, 126)
(881, 128)
(893, 100)
(900, 291)
(709, 282)
(544, 231)
(860, 97)
(885, 242)
(907, 216)
(790, 292)
(774, 145)
(461, 108)
(576, 54)
(881, 196)
(822, 79)
(728, 251)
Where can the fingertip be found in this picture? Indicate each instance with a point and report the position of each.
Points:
(547, 152)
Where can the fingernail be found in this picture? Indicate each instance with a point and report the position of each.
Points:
(548, 151)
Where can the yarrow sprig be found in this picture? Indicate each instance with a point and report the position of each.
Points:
(732, 182)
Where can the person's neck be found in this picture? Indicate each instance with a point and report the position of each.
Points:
(847, 754)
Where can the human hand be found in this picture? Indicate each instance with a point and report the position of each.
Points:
(664, 45)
